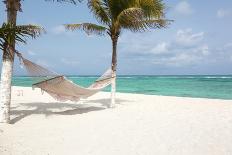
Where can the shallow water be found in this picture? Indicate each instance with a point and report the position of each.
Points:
(204, 86)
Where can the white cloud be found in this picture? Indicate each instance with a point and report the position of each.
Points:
(178, 60)
(228, 45)
(205, 50)
(69, 62)
(222, 53)
(227, 51)
(145, 48)
(184, 57)
(31, 53)
(186, 48)
(60, 29)
(184, 8)
(222, 13)
(188, 38)
(160, 48)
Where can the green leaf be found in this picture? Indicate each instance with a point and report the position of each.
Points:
(10, 33)
(89, 28)
(99, 8)
(69, 1)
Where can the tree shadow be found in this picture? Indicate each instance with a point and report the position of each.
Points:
(57, 108)
(47, 109)
(105, 102)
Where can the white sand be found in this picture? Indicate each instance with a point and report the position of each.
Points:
(139, 125)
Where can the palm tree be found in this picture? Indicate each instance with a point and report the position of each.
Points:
(12, 8)
(115, 15)
(9, 34)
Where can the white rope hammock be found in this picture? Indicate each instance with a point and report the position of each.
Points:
(58, 86)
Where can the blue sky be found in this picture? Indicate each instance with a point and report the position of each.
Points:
(199, 41)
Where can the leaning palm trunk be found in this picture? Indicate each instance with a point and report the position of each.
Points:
(114, 68)
(7, 65)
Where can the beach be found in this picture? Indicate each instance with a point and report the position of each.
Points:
(152, 77)
(139, 124)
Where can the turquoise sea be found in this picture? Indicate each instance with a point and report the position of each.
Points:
(204, 86)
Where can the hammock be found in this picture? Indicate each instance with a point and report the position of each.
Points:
(58, 86)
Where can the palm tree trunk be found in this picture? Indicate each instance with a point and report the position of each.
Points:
(7, 69)
(113, 67)
(7, 65)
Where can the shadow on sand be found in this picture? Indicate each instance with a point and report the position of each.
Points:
(58, 108)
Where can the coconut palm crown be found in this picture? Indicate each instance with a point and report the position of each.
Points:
(115, 15)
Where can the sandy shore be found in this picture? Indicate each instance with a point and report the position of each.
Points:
(139, 125)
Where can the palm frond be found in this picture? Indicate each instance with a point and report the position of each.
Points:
(151, 8)
(143, 25)
(144, 15)
(117, 6)
(69, 1)
(99, 9)
(1, 44)
(128, 16)
(10, 33)
(131, 19)
(157, 23)
(89, 28)
(30, 30)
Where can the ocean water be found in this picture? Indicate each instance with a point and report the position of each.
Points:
(205, 86)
